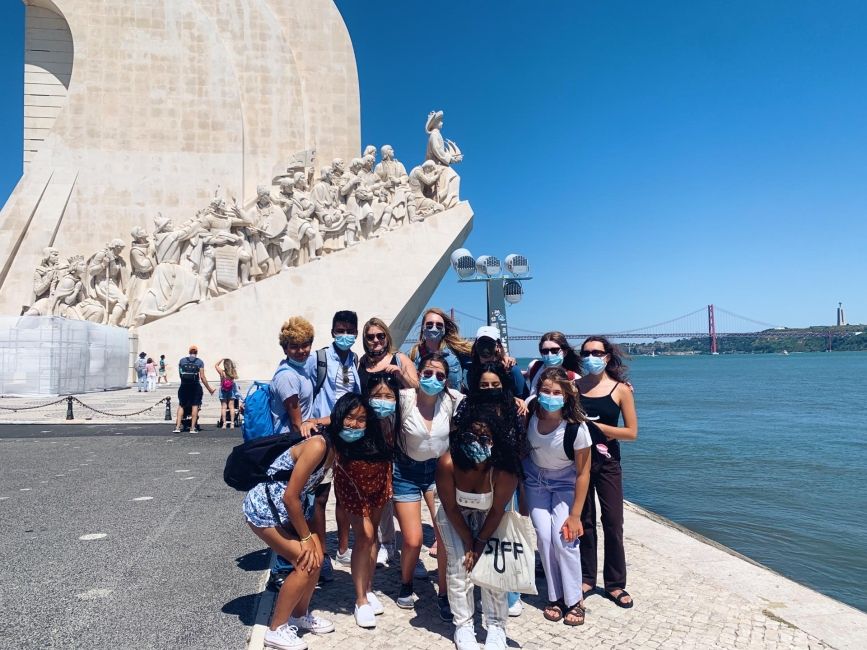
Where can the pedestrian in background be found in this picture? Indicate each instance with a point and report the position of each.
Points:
(192, 373)
(151, 372)
(229, 392)
(141, 373)
(163, 377)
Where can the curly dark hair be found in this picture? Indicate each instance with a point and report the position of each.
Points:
(475, 373)
(509, 442)
(372, 446)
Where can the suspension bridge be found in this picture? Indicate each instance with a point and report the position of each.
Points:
(711, 322)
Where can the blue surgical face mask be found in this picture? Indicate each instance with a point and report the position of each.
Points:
(344, 341)
(434, 334)
(593, 365)
(477, 452)
(383, 407)
(351, 435)
(552, 360)
(551, 403)
(296, 364)
(431, 385)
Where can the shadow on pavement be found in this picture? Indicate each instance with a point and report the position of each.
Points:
(254, 560)
(244, 607)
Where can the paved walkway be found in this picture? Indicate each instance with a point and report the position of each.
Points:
(115, 405)
(689, 593)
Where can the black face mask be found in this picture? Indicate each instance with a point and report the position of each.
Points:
(489, 395)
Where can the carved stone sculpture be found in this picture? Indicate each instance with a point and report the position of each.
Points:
(107, 285)
(46, 273)
(332, 220)
(226, 256)
(142, 265)
(67, 292)
(423, 182)
(173, 285)
(302, 242)
(395, 192)
(444, 153)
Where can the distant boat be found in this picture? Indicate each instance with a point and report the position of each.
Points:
(786, 352)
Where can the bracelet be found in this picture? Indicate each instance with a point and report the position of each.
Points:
(308, 538)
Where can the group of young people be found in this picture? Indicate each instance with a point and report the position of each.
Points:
(458, 425)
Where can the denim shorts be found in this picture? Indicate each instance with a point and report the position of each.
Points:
(413, 478)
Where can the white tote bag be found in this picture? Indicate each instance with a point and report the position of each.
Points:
(508, 561)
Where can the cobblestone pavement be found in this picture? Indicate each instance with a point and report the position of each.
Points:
(676, 607)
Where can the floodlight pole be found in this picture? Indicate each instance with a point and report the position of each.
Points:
(497, 303)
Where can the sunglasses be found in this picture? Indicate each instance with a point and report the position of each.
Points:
(593, 353)
(434, 326)
(427, 374)
(545, 351)
(345, 375)
(375, 337)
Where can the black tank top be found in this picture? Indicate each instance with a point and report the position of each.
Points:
(364, 373)
(608, 412)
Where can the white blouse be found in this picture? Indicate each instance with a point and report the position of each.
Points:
(422, 444)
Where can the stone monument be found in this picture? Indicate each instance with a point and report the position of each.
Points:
(136, 112)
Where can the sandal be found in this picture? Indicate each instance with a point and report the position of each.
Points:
(618, 599)
(588, 592)
(555, 606)
(577, 611)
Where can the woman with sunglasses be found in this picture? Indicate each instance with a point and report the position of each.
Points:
(439, 333)
(555, 352)
(426, 416)
(555, 490)
(362, 482)
(606, 396)
(381, 355)
(476, 480)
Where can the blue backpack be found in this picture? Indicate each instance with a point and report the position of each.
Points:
(258, 422)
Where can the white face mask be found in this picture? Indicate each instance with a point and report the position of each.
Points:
(193, 355)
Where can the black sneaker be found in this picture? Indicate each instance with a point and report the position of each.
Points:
(406, 597)
(445, 611)
(197, 429)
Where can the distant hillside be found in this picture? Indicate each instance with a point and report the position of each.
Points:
(810, 339)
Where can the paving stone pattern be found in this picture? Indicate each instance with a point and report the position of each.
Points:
(675, 608)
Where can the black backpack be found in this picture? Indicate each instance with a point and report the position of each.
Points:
(189, 371)
(572, 433)
(248, 463)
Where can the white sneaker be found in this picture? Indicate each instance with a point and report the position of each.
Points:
(312, 623)
(496, 639)
(419, 572)
(364, 616)
(465, 638)
(516, 609)
(344, 558)
(375, 603)
(382, 557)
(284, 637)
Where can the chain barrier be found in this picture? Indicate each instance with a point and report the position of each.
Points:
(70, 399)
(31, 408)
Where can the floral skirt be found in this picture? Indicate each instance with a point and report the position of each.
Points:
(362, 486)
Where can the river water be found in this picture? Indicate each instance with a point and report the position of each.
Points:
(766, 454)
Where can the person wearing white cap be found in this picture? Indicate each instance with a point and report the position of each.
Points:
(488, 348)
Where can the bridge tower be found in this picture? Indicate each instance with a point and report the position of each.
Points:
(711, 330)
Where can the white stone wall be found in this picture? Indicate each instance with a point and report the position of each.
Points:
(168, 99)
(48, 54)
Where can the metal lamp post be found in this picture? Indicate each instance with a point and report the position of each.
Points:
(502, 287)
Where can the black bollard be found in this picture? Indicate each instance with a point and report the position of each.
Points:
(168, 417)
(69, 415)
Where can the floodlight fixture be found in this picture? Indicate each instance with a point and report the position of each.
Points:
(488, 265)
(513, 291)
(517, 265)
(463, 263)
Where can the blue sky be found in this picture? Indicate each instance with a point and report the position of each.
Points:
(649, 158)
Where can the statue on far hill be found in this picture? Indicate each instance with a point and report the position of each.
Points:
(444, 153)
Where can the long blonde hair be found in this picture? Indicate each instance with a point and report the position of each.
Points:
(452, 338)
(229, 369)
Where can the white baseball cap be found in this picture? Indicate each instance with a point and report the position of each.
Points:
(488, 330)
